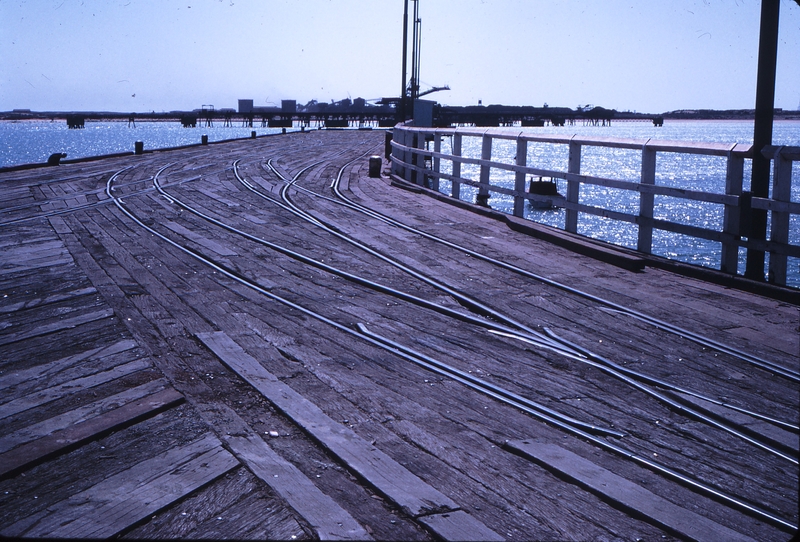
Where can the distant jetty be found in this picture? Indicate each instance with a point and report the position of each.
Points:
(384, 115)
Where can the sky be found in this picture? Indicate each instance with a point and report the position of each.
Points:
(650, 56)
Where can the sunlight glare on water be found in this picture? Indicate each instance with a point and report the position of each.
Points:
(683, 171)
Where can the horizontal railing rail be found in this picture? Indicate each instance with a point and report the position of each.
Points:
(413, 160)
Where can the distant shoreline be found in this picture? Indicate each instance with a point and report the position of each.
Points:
(684, 114)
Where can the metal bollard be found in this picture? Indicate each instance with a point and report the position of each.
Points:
(204, 139)
(374, 166)
(253, 134)
(138, 147)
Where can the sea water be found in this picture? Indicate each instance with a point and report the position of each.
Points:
(30, 142)
(685, 171)
(25, 142)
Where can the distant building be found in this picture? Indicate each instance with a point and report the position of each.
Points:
(288, 106)
(245, 106)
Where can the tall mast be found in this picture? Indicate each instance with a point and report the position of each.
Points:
(403, 88)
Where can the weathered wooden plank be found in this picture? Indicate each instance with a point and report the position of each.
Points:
(325, 516)
(78, 415)
(122, 500)
(199, 239)
(397, 483)
(772, 432)
(235, 506)
(14, 378)
(27, 251)
(46, 395)
(37, 301)
(59, 325)
(65, 439)
(458, 525)
(624, 493)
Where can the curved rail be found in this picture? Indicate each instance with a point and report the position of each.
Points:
(404, 353)
(497, 392)
(665, 326)
(559, 345)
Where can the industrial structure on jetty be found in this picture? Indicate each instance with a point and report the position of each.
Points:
(384, 113)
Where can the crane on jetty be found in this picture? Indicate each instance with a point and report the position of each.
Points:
(410, 90)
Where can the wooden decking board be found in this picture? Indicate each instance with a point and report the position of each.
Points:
(12, 377)
(234, 506)
(78, 415)
(621, 492)
(772, 432)
(65, 439)
(321, 511)
(326, 517)
(34, 249)
(199, 239)
(59, 225)
(58, 391)
(405, 489)
(458, 525)
(24, 354)
(445, 436)
(121, 501)
(50, 299)
(60, 325)
(36, 263)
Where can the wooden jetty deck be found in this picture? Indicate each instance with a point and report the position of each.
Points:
(254, 339)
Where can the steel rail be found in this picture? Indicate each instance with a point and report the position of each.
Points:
(531, 407)
(612, 369)
(665, 326)
(683, 479)
(571, 346)
(356, 279)
(583, 356)
(663, 384)
(463, 299)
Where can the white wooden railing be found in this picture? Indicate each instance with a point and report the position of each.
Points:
(413, 160)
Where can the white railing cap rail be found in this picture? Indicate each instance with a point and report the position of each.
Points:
(514, 133)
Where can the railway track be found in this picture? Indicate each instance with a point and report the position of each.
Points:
(606, 364)
(286, 241)
(397, 349)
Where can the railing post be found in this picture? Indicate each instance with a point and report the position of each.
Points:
(415, 157)
(519, 177)
(646, 201)
(573, 187)
(398, 168)
(456, 186)
(408, 156)
(729, 260)
(437, 148)
(779, 232)
(486, 154)
(397, 137)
